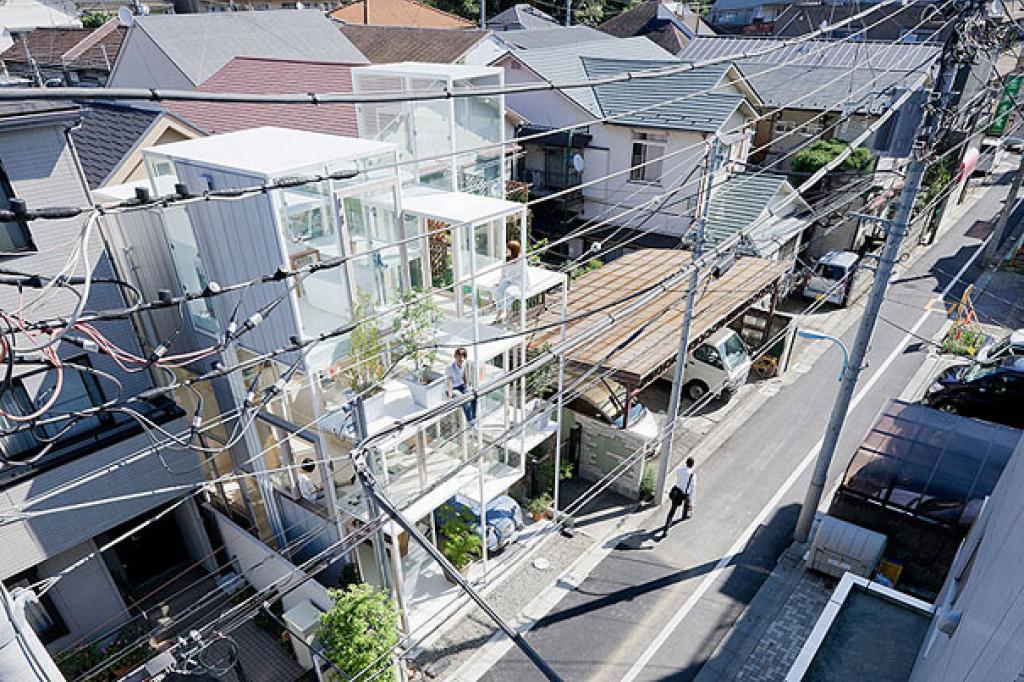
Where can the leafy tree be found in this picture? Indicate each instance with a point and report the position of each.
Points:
(95, 19)
(360, 631)
(814, 158)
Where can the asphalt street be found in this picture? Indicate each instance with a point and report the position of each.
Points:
(656, 610)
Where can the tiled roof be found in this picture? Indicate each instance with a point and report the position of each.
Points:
(646, 19)
(109, 131)
(200, 44)
(819, 88)
(398, 13)
(740, 201)
(46, 45)
(269, 76)
(559, 36)
(390, 44)
(520, 17)
(565, 63)
(706, 113)
(101, 53)
(15, 108)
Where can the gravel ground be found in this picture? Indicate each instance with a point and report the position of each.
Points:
(454, 647)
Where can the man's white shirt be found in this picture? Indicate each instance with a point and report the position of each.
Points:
(686, 480)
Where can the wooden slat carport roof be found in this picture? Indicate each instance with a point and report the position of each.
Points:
(654, 350)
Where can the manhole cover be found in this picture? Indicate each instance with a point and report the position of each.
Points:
(541, 564)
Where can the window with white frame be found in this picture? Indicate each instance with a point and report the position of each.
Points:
(645, 160)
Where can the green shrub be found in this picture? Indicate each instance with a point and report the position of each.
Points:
(818, 155)
(360, 632)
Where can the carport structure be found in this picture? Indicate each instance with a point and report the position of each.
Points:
(636, 362)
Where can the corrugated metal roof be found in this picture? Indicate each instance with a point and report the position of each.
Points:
(565, 63)
(823, 88)
(840, 54)
(740, 201)
(521, 17)
(706, 113)
(200, 44)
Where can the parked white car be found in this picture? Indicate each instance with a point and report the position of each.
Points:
(719, 365)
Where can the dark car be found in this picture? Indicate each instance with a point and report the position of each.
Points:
(990, 391)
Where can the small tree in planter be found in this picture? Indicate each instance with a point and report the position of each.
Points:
(539, 506)
(460, 542)
(367, 358)
(360, 631)
(414, 337)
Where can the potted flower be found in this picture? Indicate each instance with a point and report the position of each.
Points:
(367, 352)
(460, 540)
(415, 339)
(540, 506)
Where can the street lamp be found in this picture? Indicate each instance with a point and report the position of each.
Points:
(818, 336)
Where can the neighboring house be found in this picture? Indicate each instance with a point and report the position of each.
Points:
(272, 76)
(521, 17)
(670, 25)
(382, 222)
(112, 135)
(734, 15)
(65, 56)
(390, 44)
(975, 631)
(181, 51)
(910, 23)
(38, 165)
(25, 15)
(500, 42)
(831, 89)
(409, 13)
(630, 145)
(809, 88)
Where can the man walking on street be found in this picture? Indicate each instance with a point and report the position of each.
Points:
(682, 493)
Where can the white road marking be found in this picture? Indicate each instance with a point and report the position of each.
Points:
(745, 536)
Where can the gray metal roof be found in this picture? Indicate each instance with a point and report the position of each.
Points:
(726, 5)
(705, 113)
(551, 37)
(821, 88)
(521, 17)
(740, 201)
(865, 55)
(565, 63)
(200, 44)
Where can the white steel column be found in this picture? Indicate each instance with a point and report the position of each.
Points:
(561, 388)
(477, 429)
(523, 287)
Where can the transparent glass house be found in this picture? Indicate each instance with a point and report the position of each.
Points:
(388, 241)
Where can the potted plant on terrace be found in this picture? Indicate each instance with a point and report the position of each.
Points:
(539, 506)
(360, 631)
(415, 338)
(460, 542)
(367, 359)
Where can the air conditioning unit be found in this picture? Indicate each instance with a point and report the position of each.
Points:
(840, 547)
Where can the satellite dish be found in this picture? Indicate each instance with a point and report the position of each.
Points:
(125, 16)
(577, 162)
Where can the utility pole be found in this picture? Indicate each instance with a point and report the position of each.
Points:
(898, 227)
(483, 13)
(998, 232)
(672, 423)
(22, 656)
(568, 12)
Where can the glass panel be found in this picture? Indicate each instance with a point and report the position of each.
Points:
(372, 223)
(189, 266)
